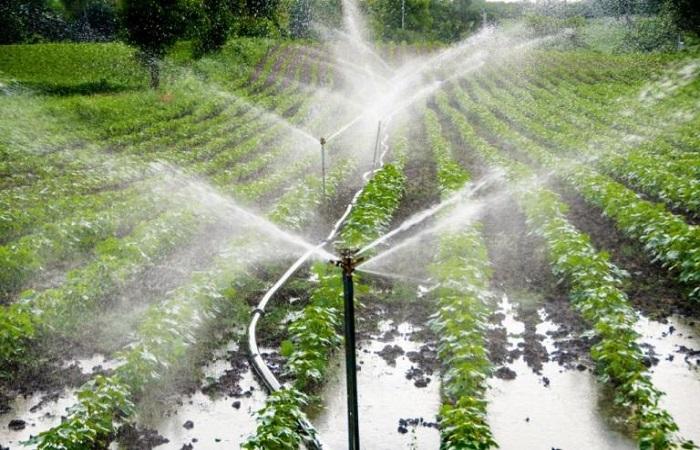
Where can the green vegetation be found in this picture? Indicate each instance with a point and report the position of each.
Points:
(462, 267)
(594, 288)
(315, 333)
(105, 184)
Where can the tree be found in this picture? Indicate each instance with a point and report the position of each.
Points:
(388, 16)
(214, 25)
(153, 26)
(300, 19)
(685, 14)
(30, 21)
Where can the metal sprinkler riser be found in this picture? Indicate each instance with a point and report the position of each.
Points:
(348, 262)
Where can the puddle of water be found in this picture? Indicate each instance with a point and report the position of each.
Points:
(217, 423)
(87, 365)
(524, 413)
(38, 417)
(678, 378)
(385, 396)
(41, 411)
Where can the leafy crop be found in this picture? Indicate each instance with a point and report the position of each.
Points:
(462, 268)
(314, 334)
(101, 402)
(595, 291)
(281, 416)
(664, 235)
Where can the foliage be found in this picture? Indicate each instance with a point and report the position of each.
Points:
(462, 267)
(451, 177)
(463, 270)
(667, 237)
(594, 290)
(547, 25)
(379, 199)
(214, 24)
(314, 334)
(278, 421)
(594, 286)
(72, 68)
(101, 402)
(300, 19)
(685, 14)
(153, 26)
(656, 33)
(30, 21)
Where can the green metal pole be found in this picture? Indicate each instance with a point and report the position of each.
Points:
(350, 363)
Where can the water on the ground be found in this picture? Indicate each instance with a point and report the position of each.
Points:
(385, 397)
(676, 344)
(527, 413)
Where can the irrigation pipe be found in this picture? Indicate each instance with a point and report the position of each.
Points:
(258, 363)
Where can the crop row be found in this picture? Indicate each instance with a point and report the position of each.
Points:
(667, 237)
(55, 240)
(462, 268)
(594, 289)
(49, 201)
(662, 176)
(647, 166)
(119, 257)
(89, 225)
(165, 338)
(197, 120)
(60, 311)
(624, 106)
(314, 334)
(64, 240)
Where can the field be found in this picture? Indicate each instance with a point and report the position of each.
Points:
(550, 302)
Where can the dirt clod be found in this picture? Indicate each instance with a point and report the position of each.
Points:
(17, 424)
(132, 438)
(419, 377)
(390, 352)
(505, 373)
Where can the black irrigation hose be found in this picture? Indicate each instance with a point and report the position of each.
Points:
(261, 369)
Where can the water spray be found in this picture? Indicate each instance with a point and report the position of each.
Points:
(348, 262)
(323, 166)
(376, 144)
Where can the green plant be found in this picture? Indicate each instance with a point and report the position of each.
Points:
(278, 421)
(101, 402)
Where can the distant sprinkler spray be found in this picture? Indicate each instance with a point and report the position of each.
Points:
(376, 145)
(348, 262)
(323, 166)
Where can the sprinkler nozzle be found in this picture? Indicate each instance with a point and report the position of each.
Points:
(348, 261)
(323, 141)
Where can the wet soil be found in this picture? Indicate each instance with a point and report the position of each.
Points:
(138, 438)
(228, 384)
(398, 380)
(650, 287)
(521, 271)
(46, 376)
(421, 179)
(390, 352)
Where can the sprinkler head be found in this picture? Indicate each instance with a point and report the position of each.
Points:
(323, 141)
(348, 261)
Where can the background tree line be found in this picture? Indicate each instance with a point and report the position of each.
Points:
(152, 26)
